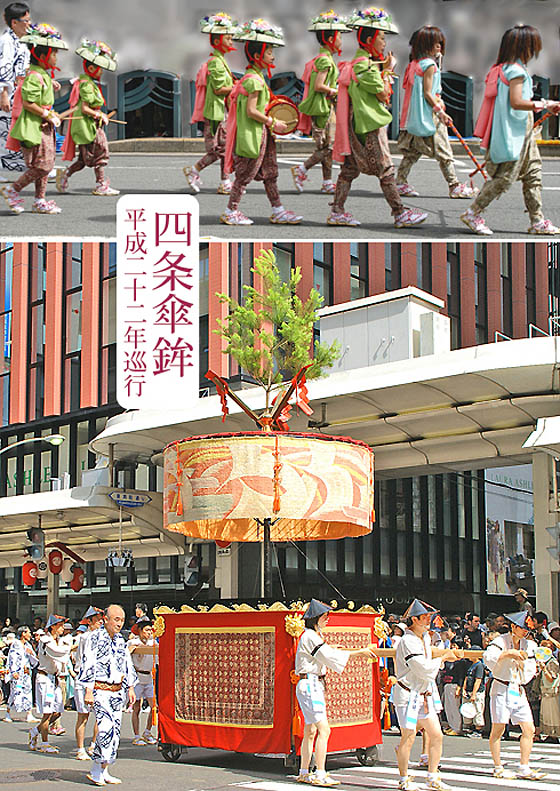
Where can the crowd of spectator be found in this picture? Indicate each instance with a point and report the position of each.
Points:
(464, 685)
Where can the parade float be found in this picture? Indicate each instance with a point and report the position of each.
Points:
(227, 673)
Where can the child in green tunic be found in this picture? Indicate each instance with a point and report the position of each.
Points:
(250, 145)
(34, 128)
(214, 83)
(361, 143)
(317, 107)
(88, 119)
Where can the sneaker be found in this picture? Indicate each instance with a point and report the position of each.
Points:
(544, 227)
(531, 774)
(193, 178)
(33, 739)
(47, 748)
(408, 218)
(328, 187)
(407, 190)
(285, 217)
(408, 785)
(103, 188)
(96, 779)
(502, 773)
(62, 179)
(463, 191)
(139, 741)
(110, 779)
(43, 206)
(149, 737)
(7, 718)
(437, 784)
(13, 199)
(342, 218)
(82, 755)
(327, 781)
(476, 223)
(224, 187)
(235, 217)
(299, 175)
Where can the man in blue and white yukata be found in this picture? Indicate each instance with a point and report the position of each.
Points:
(21, 661)
(91, 621)
(415, 694)
(108, 675)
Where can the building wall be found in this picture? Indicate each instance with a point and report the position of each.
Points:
(57, 307)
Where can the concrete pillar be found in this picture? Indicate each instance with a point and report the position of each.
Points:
(53, 599)
(546, 567)
(227, 576)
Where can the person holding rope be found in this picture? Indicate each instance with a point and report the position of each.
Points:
(505, 126)
(424, 120)
(415, 695)
(511, 660)
(313, 657)
(86, 129)
(144, 689)
(317, 115)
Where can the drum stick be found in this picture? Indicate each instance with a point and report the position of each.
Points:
(391, 652)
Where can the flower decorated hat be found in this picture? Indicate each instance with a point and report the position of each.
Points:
(99, 53)
(43, 35)
(219, 24)
(329, 20)
(372, 17)
(261, 30)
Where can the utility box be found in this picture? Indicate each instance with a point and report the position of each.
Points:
(385, 328)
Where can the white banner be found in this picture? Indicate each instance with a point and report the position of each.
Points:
(157, 301)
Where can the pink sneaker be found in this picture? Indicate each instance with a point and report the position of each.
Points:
(299, 176)
(103, 188)
(12, 198)
(193, 178)
(235, 217)
(463, 191)
(408, 218)
(544, 227)
(328, 187)
(342, 218)
(285, 217)
(42, 206)
(476, 223)
(408, 190)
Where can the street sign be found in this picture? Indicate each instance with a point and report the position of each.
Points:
(130, 499)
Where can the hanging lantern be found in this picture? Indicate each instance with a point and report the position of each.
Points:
(311, 486)
(29, 573)
(223, 544)
(66, 573)
(42, 569)
(77, 582)
(55, 561)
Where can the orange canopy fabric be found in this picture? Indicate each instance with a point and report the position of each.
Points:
(316, 487)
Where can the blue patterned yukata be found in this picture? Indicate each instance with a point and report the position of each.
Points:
(106, 660)
(21, 661)
(14, 60)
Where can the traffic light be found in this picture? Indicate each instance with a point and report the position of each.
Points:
(191, 569)
(555, 533)
(37, 537)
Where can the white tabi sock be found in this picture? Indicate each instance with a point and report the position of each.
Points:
(96, 771)
(320, 774)
(277, 209)
(432, 775)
